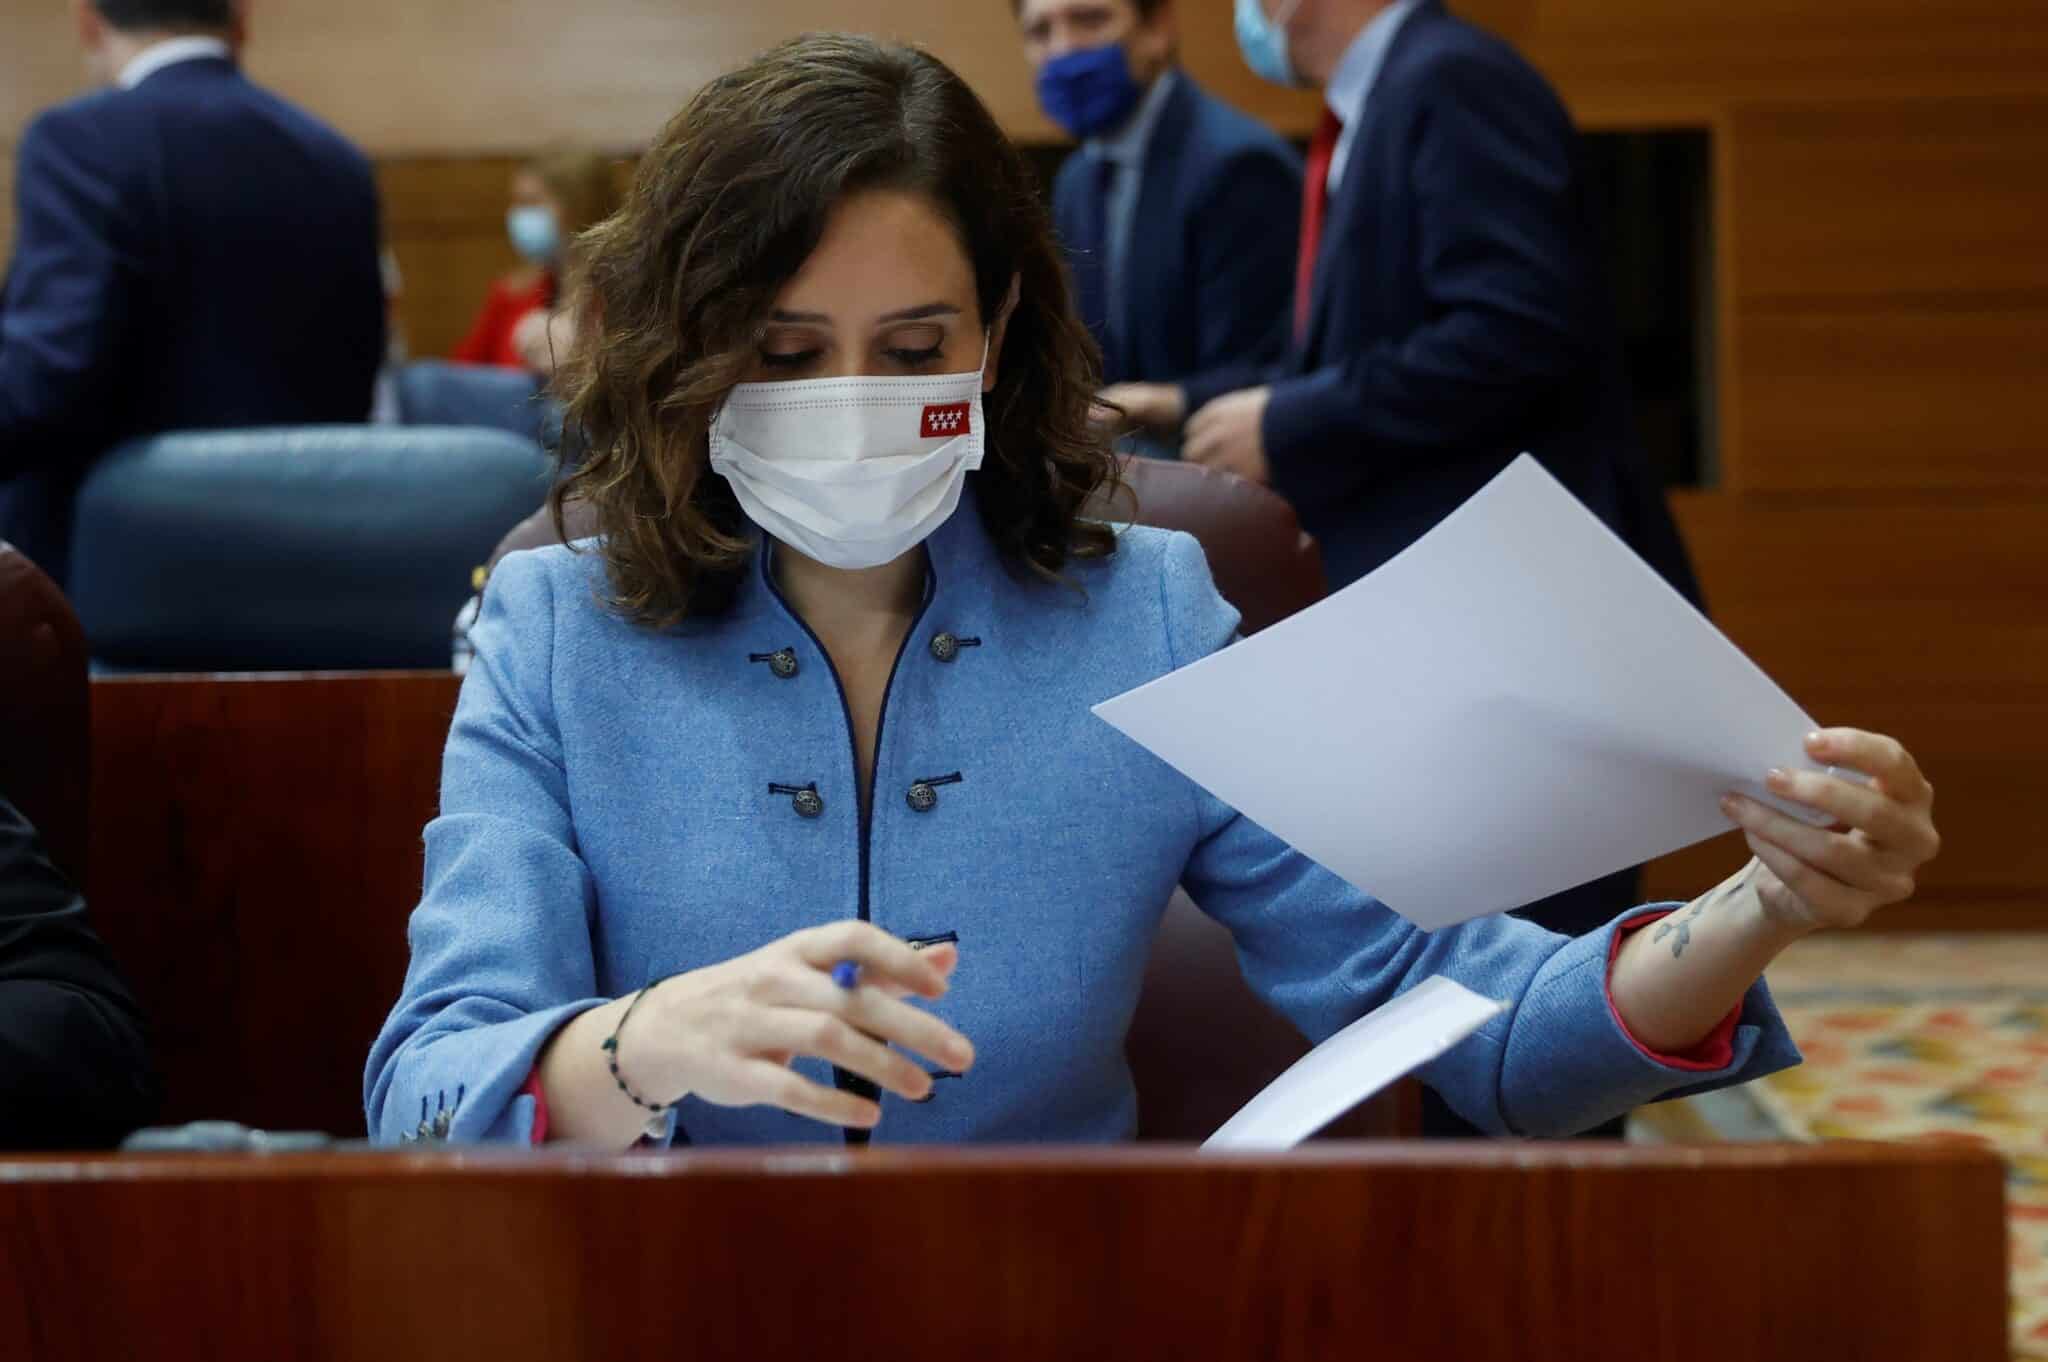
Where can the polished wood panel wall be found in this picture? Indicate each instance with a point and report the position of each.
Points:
(1681, 61)
(39, 65)
(1890, 295)
(1512, 1253)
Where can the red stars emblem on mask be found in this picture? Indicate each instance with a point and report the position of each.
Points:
(944, 420)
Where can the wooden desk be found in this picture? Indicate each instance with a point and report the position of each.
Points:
(1481, 1251)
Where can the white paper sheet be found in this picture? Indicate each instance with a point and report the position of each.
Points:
(1514, 705)
(1355, 1063)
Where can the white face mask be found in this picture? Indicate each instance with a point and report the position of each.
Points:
(851, 472)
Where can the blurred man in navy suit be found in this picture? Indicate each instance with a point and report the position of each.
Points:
(1450, 306)
(190, 252)
(1178, 212)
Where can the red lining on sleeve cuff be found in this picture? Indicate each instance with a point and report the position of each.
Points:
(1717, 1051)
(540, 1106)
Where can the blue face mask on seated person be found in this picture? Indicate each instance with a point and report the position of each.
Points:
(1263, 41)
(534, 232)
(1088, 92)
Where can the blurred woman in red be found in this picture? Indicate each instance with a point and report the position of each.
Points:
(554, 199)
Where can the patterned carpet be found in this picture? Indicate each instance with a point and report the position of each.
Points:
(1913, 1038)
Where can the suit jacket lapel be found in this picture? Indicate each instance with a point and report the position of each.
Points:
(1080, 227)
(1345, 205)
(1361, 184)
(1150, 275)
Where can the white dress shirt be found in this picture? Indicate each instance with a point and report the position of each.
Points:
(1358, 70)
(170, 52)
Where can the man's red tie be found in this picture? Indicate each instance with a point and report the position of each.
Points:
(1314, 199)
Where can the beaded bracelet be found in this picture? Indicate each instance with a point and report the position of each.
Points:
(611, 1055)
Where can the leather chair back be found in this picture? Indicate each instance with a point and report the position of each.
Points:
(317, 548)
(1264, 563)
(45, 712)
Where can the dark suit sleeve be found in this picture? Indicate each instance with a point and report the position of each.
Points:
(67, 289)
(1246, 236)
(1202, 389)
(1507, 274)
(75, 1067)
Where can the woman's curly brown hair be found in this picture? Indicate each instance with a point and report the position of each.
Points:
(724, 210)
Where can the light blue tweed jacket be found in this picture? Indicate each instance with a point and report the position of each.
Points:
(619, 805)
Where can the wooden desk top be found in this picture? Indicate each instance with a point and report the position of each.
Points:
(1492, 1160)
(1479, 1250)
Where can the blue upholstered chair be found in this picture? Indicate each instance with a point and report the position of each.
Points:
(433, 392)
(297, 549)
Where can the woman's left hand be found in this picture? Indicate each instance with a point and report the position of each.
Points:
(1812, 877)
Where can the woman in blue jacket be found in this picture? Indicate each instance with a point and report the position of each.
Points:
(777, 812)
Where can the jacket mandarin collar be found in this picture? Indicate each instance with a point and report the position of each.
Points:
(960, 557)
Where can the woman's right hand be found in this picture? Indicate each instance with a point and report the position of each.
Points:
(727, 1033)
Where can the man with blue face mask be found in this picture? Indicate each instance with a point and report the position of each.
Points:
(1179, 214)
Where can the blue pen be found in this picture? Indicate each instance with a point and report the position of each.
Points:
(846, 973)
